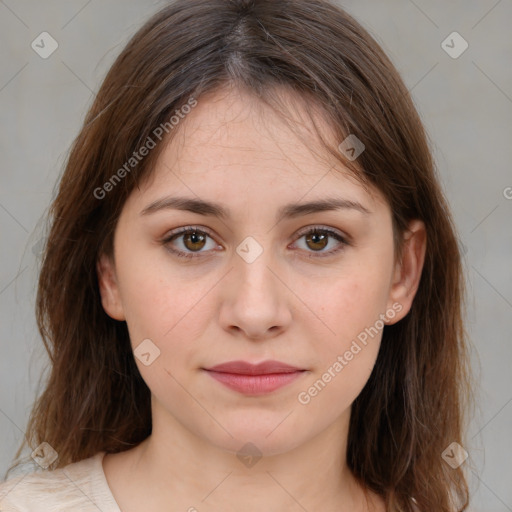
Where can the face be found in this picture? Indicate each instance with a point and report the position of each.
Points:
(266, 280)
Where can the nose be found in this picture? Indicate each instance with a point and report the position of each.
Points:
(256, 302)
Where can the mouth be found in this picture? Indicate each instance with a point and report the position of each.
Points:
(254, 379)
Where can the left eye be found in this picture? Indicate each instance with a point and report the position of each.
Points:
(318, 238)
(193, 240)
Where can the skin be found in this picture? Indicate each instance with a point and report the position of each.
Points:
(285, 305)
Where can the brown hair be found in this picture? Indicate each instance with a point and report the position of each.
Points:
(413, 405)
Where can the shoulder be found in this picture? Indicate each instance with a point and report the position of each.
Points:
(79, 486)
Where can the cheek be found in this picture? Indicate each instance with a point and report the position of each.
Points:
(333, 389)
(170, 311)
(164, 305)
(352, 307)
(346, 355)
(349, 303)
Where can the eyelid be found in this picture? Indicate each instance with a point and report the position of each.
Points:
(186, 229)
(319, 227)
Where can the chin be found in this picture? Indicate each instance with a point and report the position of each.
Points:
(258, 440)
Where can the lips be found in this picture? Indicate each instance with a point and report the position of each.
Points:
(254, 379)
(244, 368)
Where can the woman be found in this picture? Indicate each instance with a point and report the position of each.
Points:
(252, 280)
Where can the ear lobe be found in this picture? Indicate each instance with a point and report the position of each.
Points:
(407, 274)
(109, 290)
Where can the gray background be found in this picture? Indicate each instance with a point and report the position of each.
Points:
(466, 104)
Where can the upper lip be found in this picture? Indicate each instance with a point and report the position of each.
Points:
(245, 368)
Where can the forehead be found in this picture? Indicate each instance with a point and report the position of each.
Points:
(234, 148)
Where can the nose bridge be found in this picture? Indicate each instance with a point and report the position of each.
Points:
(254, 259)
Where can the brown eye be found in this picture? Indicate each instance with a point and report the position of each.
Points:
(317, 240)
(194, 241)
(188, 242)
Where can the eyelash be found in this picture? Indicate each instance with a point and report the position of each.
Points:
(193, 229)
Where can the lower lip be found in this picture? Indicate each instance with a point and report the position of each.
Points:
(255, 384)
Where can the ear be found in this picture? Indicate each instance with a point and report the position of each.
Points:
(407, 273)
(109, 290)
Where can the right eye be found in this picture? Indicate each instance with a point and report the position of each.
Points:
(193, 240)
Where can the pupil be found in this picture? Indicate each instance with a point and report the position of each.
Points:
(318, 238)
(196, 238)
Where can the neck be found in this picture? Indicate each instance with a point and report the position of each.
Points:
(192, 474)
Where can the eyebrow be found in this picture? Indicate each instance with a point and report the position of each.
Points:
(289, 211)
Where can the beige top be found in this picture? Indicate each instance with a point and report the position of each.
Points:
(81, 486)
(78, 487)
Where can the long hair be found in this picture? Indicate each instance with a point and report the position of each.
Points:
(414, 403)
